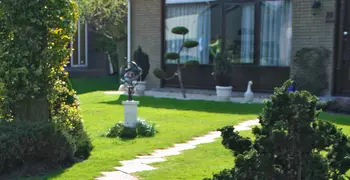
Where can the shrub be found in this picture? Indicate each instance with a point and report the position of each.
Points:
(311, 71)
(142, 60)
(289, 143)
(336, 106)
(42, 121)
(30, 143)
(143, 129)
(222, 70)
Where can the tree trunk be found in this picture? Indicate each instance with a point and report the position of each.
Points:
(179, 75)
(31, 110)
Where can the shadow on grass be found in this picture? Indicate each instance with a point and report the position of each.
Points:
(193, 105)
(86, 85)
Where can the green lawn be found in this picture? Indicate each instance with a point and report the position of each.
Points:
(197, 163)
(207, 159)
(178, 121)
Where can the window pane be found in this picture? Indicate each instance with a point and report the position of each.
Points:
(197, 17)
(276, 33)
(82, 43)
(239, 32)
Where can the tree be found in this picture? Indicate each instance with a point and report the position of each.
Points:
(107, 18)
(290, 143)
(33, 52)
(175, 56)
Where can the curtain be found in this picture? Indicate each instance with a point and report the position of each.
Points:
(247, 36)
(195, 17)
(276, 33)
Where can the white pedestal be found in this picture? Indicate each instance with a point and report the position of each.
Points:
(130, 113)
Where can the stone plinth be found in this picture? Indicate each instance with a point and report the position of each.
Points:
(130, 113)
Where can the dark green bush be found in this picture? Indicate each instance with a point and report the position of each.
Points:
(222, 70)
(311, 69)
(172, 56)
(142, 60)
(143, 129)
(180, 30)
(159, 73)
(289, 144)
(190, 44)
(340, 105)
(27, 143)
(43, 122)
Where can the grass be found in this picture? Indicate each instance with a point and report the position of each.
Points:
(207, 159)
(197, 163)
(178, 121)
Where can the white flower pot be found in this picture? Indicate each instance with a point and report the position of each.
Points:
(223, 93)
(140, 88)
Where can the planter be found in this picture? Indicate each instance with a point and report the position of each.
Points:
(140, 88)
(223, 93)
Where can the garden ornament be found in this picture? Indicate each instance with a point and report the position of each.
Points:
(249, 95)
(130, 75)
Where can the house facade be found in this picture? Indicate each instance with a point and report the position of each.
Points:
(260, 38)
(86, 59)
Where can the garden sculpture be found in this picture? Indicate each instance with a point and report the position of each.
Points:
(249, 95)
(130, 75)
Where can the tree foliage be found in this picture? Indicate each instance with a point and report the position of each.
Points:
(34, 36)
(108, 19)
(291, 144)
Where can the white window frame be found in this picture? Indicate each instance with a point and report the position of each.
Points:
(79, 48)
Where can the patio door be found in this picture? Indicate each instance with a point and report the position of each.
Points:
(79, 56)
(343, 75)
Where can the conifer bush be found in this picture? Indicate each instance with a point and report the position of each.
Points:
(291, 144)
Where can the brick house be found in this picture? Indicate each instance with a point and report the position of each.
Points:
(86, 60)
(260, 36)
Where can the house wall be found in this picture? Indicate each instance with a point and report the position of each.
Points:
(311, 30)
(146, 31)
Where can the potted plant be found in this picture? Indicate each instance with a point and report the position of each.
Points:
(142, 60)
(222, 74)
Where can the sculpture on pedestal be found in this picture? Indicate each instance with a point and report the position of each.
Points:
(130, 75)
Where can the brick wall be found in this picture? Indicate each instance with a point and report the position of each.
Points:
(311, 30)
(146, 31)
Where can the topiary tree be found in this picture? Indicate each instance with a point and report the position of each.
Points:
(291, 144)
(159, 73)
(33, 52)
(142, 60)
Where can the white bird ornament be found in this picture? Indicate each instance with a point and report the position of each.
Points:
(249, 95)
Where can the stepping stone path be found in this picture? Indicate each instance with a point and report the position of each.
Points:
(141, 163)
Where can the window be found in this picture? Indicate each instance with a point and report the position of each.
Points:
(276, 33)
(79, 57)
(232, 27)
(239, 32)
